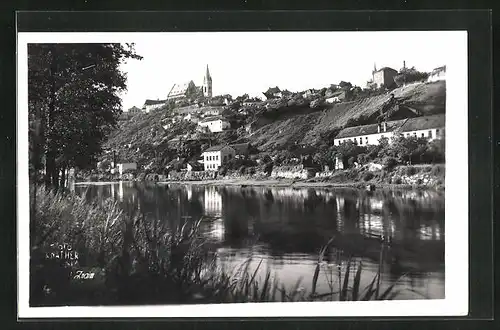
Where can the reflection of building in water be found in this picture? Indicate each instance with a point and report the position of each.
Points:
(432, 232)
(120, 191)
(189, 192)
(213, 202)
(217, 230)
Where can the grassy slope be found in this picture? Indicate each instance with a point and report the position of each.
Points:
(306, 129)
(302, 126)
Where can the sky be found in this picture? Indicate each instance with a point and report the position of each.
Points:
(251, 62)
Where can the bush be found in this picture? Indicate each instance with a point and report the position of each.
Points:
(368, 176)
(438, 170)
(242, 169)
(410, 170)
(389, 162)
(350, 161)
(397, 180)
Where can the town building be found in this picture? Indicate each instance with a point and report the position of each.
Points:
(153, 104)
(309, 93)
(134, 110)
(122, 167)
(429, 127)
(338, 96)
(273, 93)
(437, 74)
(383, 77)
(215, 124)
(186, 89)
(215, 156)
(241, 149)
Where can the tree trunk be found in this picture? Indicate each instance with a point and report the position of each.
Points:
(51, 171)
(63, 177)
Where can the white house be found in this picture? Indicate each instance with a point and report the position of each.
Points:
(429, 127)
(437, 74)
(215, 156)
(153, 104)
(215, 124)
(126, 166)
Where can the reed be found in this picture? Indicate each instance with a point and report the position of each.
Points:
(147, 262)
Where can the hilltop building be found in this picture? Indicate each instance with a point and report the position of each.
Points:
(383, 77)
(429, 127)
(215, 124)
(153, 104)
(215, 156)
(438, 74)
(134, 110)
(187, 89)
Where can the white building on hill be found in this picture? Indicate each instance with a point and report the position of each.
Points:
(215, 124)
(215, 156)
(429, 127)
(153, 104)
(437, 74)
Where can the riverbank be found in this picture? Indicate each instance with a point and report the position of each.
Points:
(292, 183)
(401, 177)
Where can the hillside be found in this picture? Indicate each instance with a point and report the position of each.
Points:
(143, 139)
(306, 129)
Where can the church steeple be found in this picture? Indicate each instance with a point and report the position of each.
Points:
(207, 84)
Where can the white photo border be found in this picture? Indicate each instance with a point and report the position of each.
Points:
(456, 301)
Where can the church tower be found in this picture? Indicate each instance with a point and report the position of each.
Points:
(207, 84)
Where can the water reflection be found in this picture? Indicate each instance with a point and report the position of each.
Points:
(286, 227)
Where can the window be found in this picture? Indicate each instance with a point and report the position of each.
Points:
(429, 134)
(366, 139)
(423, 135)
(360, 141)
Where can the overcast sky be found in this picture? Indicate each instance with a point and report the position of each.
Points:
(250, 62)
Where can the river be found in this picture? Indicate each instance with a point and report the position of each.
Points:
(284, 228)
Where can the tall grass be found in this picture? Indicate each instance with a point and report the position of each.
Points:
(147, 262)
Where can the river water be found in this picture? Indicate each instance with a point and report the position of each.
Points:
(283, 229)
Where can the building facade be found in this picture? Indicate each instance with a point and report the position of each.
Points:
(437, 74)
(153, 104)
(383, 77)
(429, 127)
(180, 91)
(215, 156)
(215, 124)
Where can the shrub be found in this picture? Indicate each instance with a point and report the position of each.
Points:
(350, 161)
(410, 170)
(438, 170)
(389, 162)
(397, 180)
(242, 169)
(368, 176)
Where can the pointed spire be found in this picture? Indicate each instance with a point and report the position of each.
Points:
(208, 73)
(374, 67)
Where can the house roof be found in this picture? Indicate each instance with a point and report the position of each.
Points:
(152, 102)
(206, 120)
(403, 125)
(179, 89)
(368, 129)
(240, 147)
(439, 69)
(386, 68)
(425, 122)
(217, 148)
(273, 90)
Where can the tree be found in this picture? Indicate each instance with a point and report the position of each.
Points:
(345, 85)
(74, 103)
(408, 75)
